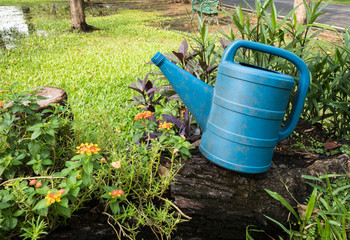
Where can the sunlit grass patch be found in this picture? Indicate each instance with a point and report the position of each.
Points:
(94, 68)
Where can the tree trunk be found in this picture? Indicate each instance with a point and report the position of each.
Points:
(222, 203)
(78, 17)
(301, 10)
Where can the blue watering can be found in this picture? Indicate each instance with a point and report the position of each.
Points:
(241, 117)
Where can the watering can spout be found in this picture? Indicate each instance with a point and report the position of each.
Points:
(196, 94)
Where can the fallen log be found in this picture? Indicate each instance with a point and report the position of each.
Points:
(223, 203)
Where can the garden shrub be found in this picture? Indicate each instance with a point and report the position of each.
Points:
(40, 186)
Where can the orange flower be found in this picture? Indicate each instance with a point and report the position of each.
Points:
(61, 191)
(88, 148)
(39, 184)
(54, 197)
(148, 114)
(2, 103)
(103, 160)
(182, 112)
(165, 125)
(144, 115)
(116, 193)
(32, 182)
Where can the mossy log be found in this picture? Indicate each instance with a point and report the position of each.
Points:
(222, 203)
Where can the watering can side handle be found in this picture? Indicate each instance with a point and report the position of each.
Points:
(304, 78)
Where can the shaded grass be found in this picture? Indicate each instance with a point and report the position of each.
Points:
(94, 68)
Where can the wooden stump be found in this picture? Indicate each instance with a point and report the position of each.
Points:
(52, 94)
(222, 203)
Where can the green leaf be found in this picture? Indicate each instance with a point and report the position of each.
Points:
(74, 192)
(36, 134)
(279, 224)
(34, 148)
(31, 162)
(47, 162)
(42, 190)
(71, 181)
(85, 178)
(64, 211)
(50, 132)
(136, 137)
(106, 195)
(88, 167)
(4, 205)
(115, 207)
(35, 127)
(310, 205)
(78, 157)
(41, 204)
(335, 192)
(2, 169)
(284, 202)
(13, 222)
(18, 213)
(64, 202)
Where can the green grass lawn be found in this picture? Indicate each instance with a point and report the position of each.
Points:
(94, 68)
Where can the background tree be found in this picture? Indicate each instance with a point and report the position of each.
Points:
(77, 13)
(301, 10)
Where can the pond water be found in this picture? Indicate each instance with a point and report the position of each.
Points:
(12, 25)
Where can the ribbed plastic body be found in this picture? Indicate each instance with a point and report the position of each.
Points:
(244, 123)
(241, 117)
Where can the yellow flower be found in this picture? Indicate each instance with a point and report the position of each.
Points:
(165, 125)
(88, 148)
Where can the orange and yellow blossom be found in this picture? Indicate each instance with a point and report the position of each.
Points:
(88, 148)
(116, 193)
(54, 197)
(165, 125)
(143, 115)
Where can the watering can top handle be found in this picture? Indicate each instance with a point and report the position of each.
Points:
(304, 78)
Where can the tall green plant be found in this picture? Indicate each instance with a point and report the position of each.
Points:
(206, 53)
(326, 213)
(328, 100)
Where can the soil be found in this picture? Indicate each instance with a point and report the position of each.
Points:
(90, 223)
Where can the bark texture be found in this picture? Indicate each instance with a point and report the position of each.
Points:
(223, 203)
(78, 22)
(52, 94)
(301, 10)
